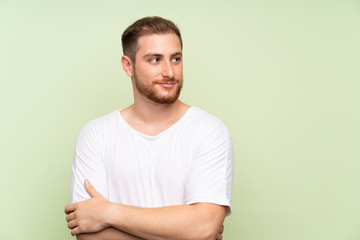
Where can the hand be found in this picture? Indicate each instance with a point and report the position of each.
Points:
(87, 216)
(221, 230)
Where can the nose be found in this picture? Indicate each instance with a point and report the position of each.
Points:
(167, 70)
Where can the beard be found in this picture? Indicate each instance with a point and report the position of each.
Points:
(150, 91)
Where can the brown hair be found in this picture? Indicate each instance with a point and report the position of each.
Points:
(145, 26)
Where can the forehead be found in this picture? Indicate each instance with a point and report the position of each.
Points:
(167, 43)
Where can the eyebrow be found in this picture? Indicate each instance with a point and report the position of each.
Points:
(177, 54)
(160, 55)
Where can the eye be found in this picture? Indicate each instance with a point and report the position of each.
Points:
(154, 60)
(176, 59)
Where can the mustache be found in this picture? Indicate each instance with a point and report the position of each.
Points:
(167, 80)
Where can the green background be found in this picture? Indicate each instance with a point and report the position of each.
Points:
(282, 75)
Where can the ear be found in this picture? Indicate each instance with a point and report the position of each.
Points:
(127, 65)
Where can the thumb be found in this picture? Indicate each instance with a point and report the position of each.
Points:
(90, 189)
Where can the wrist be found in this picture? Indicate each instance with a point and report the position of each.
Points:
(113, 215)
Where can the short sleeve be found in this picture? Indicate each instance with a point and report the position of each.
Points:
(88, 163)
(210, 173)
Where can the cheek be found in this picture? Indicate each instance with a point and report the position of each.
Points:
(179, 71)
(148, 72)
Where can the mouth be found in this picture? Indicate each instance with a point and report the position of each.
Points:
(167, 84)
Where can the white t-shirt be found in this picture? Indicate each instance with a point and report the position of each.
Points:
(190, 162)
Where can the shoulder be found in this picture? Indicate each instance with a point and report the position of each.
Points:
(204, 120)
(103, 121)
(205, 127)
(98, 126)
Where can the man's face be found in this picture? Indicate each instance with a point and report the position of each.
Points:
(157, 72)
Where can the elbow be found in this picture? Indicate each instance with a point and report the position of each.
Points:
(206, 222)
(208, 231)
(207, 236)
(209, 226)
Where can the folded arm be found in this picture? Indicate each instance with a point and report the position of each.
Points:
(108, 234)
(197, 221)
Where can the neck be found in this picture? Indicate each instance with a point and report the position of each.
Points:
(150, 112)
(152, 118)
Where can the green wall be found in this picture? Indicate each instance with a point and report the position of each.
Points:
(283, 75)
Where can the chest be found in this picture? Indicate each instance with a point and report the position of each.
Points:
(148, 168)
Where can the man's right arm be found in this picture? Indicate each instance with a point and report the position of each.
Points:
(108, 234)
(112, 233)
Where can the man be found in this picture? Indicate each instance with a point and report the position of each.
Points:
(160, 169)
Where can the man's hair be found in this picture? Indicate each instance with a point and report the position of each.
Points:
(146, 26)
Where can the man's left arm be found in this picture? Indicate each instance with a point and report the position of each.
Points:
(196, 221)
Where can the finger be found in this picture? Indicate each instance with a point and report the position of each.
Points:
(70, 217)
(90, 189)
(75, 231)
(72, 224)
(70, 208)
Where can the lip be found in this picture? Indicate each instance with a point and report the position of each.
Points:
(167, 84)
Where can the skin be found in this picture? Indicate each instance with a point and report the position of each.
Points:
(158, 59)
(157, 79)
(197, 221)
